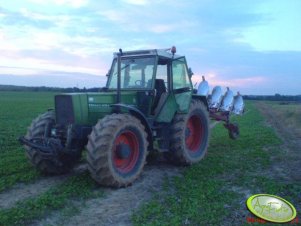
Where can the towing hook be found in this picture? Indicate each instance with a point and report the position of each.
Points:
(46, 147)
(30, 143)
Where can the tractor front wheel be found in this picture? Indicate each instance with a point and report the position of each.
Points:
(190, 135)
(117, 149)
(49, 166)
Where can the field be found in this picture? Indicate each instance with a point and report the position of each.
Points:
(265, 159)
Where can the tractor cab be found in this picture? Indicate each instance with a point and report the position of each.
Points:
(159, 77)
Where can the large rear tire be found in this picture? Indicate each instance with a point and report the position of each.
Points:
(190, 135)
(47, 166)
(117, 149)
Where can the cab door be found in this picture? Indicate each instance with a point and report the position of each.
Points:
(165, 112)
(181, 84)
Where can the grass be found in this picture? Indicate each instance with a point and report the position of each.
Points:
(17, 111)
(214, 191)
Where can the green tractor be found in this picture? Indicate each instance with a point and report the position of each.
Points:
(148, 104)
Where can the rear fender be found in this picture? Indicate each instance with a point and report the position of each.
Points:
(201, 98)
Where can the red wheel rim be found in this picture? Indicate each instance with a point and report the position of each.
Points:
(194, 133)
(126, 151)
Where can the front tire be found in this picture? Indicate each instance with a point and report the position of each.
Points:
(117, 149)
(190, 135)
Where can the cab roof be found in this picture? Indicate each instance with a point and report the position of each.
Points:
(166, 53)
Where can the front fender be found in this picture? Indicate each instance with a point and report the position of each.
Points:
(138, 114)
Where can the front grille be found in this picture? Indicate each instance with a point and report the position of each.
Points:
(64, 109)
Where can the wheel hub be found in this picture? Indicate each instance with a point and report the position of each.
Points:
(126, 152)
(123, 151)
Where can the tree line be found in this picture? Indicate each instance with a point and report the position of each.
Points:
(46, 89)
(276, 97)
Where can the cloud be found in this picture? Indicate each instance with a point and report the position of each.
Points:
(250, 72)
(36, 39)
(113, 15)
(71, 64)
(162, 28)
(235, 84)
(18, 71)
(71, 3)
(55, 79)
(24, 18)
(81, 35)
(136, 2)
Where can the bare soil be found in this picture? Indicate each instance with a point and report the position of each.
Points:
(23, 191)
(117, 206)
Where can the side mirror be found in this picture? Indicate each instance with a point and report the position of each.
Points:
(190, 73)
(108, 74)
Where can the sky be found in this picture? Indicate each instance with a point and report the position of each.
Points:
(252, 46)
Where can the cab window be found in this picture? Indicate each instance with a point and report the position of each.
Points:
(180, 74)
(135, 73)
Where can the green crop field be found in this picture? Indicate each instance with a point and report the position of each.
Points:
(212, 192)
(17, 110)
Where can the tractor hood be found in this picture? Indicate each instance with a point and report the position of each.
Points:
(88, 108)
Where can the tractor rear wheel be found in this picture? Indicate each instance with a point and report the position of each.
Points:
(117, 149)
(48, 166)
(190, 135)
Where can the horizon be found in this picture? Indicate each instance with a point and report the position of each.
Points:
(253, 47)
(54, 89)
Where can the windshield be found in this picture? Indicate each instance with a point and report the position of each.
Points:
(135, 73)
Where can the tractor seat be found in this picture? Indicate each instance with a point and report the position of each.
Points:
(159, 95)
